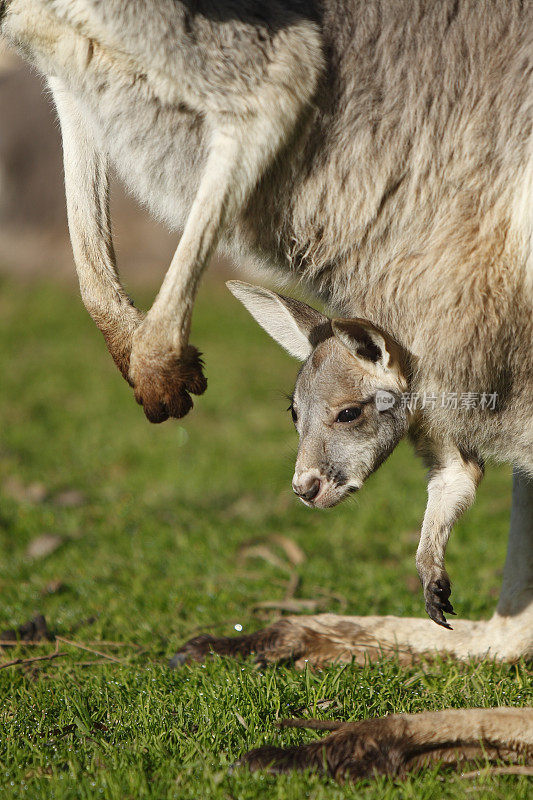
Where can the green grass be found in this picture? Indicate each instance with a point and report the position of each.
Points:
(151, 556)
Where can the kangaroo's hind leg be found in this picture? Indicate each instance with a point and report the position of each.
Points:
(87, 193)
(165, 369)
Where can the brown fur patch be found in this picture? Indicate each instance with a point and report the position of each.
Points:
(289, 640)
(163, 383)
(118, 330)
(399, 744)
(120, 350)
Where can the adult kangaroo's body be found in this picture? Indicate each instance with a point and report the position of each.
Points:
(381, 153)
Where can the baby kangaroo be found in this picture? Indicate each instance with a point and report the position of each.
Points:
(351, 407)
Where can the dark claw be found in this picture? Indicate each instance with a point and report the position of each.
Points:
(180, 405)
(435, 613)
(437, 595)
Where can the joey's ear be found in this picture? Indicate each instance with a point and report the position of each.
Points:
(371, 344)
(294, 325)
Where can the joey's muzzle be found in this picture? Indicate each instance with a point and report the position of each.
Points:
(307, 487)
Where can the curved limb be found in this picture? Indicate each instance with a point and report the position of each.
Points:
(87, 194)
(452, 486)
(401, 743)
(245, 129)
(239, 153)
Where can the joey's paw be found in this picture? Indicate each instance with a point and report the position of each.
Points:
(437, 592)
(163, 383)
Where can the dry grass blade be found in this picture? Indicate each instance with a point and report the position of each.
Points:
(241, 720)
(291, 606)
(90, 650)
(292, 586)
(294, 552)
(21, 661)
(106, 643)
(312, 724)
(265, 553)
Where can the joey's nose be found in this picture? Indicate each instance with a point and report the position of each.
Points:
(307, 488)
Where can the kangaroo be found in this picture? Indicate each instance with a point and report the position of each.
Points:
(351, 367)
(379, 153)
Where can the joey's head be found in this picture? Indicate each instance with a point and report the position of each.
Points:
(346, 403)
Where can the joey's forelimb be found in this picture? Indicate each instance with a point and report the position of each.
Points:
(452, 486)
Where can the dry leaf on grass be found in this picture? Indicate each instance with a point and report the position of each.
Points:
(43, 545)
(294, 552)
(25, 493)
(71, 498)
(319, 704)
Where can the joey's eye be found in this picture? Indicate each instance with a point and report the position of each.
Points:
(294, 415)
(348, 414)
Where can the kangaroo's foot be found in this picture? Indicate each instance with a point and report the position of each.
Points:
(296, 639)
(328, 638)
(400, 743)
(163, 380)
